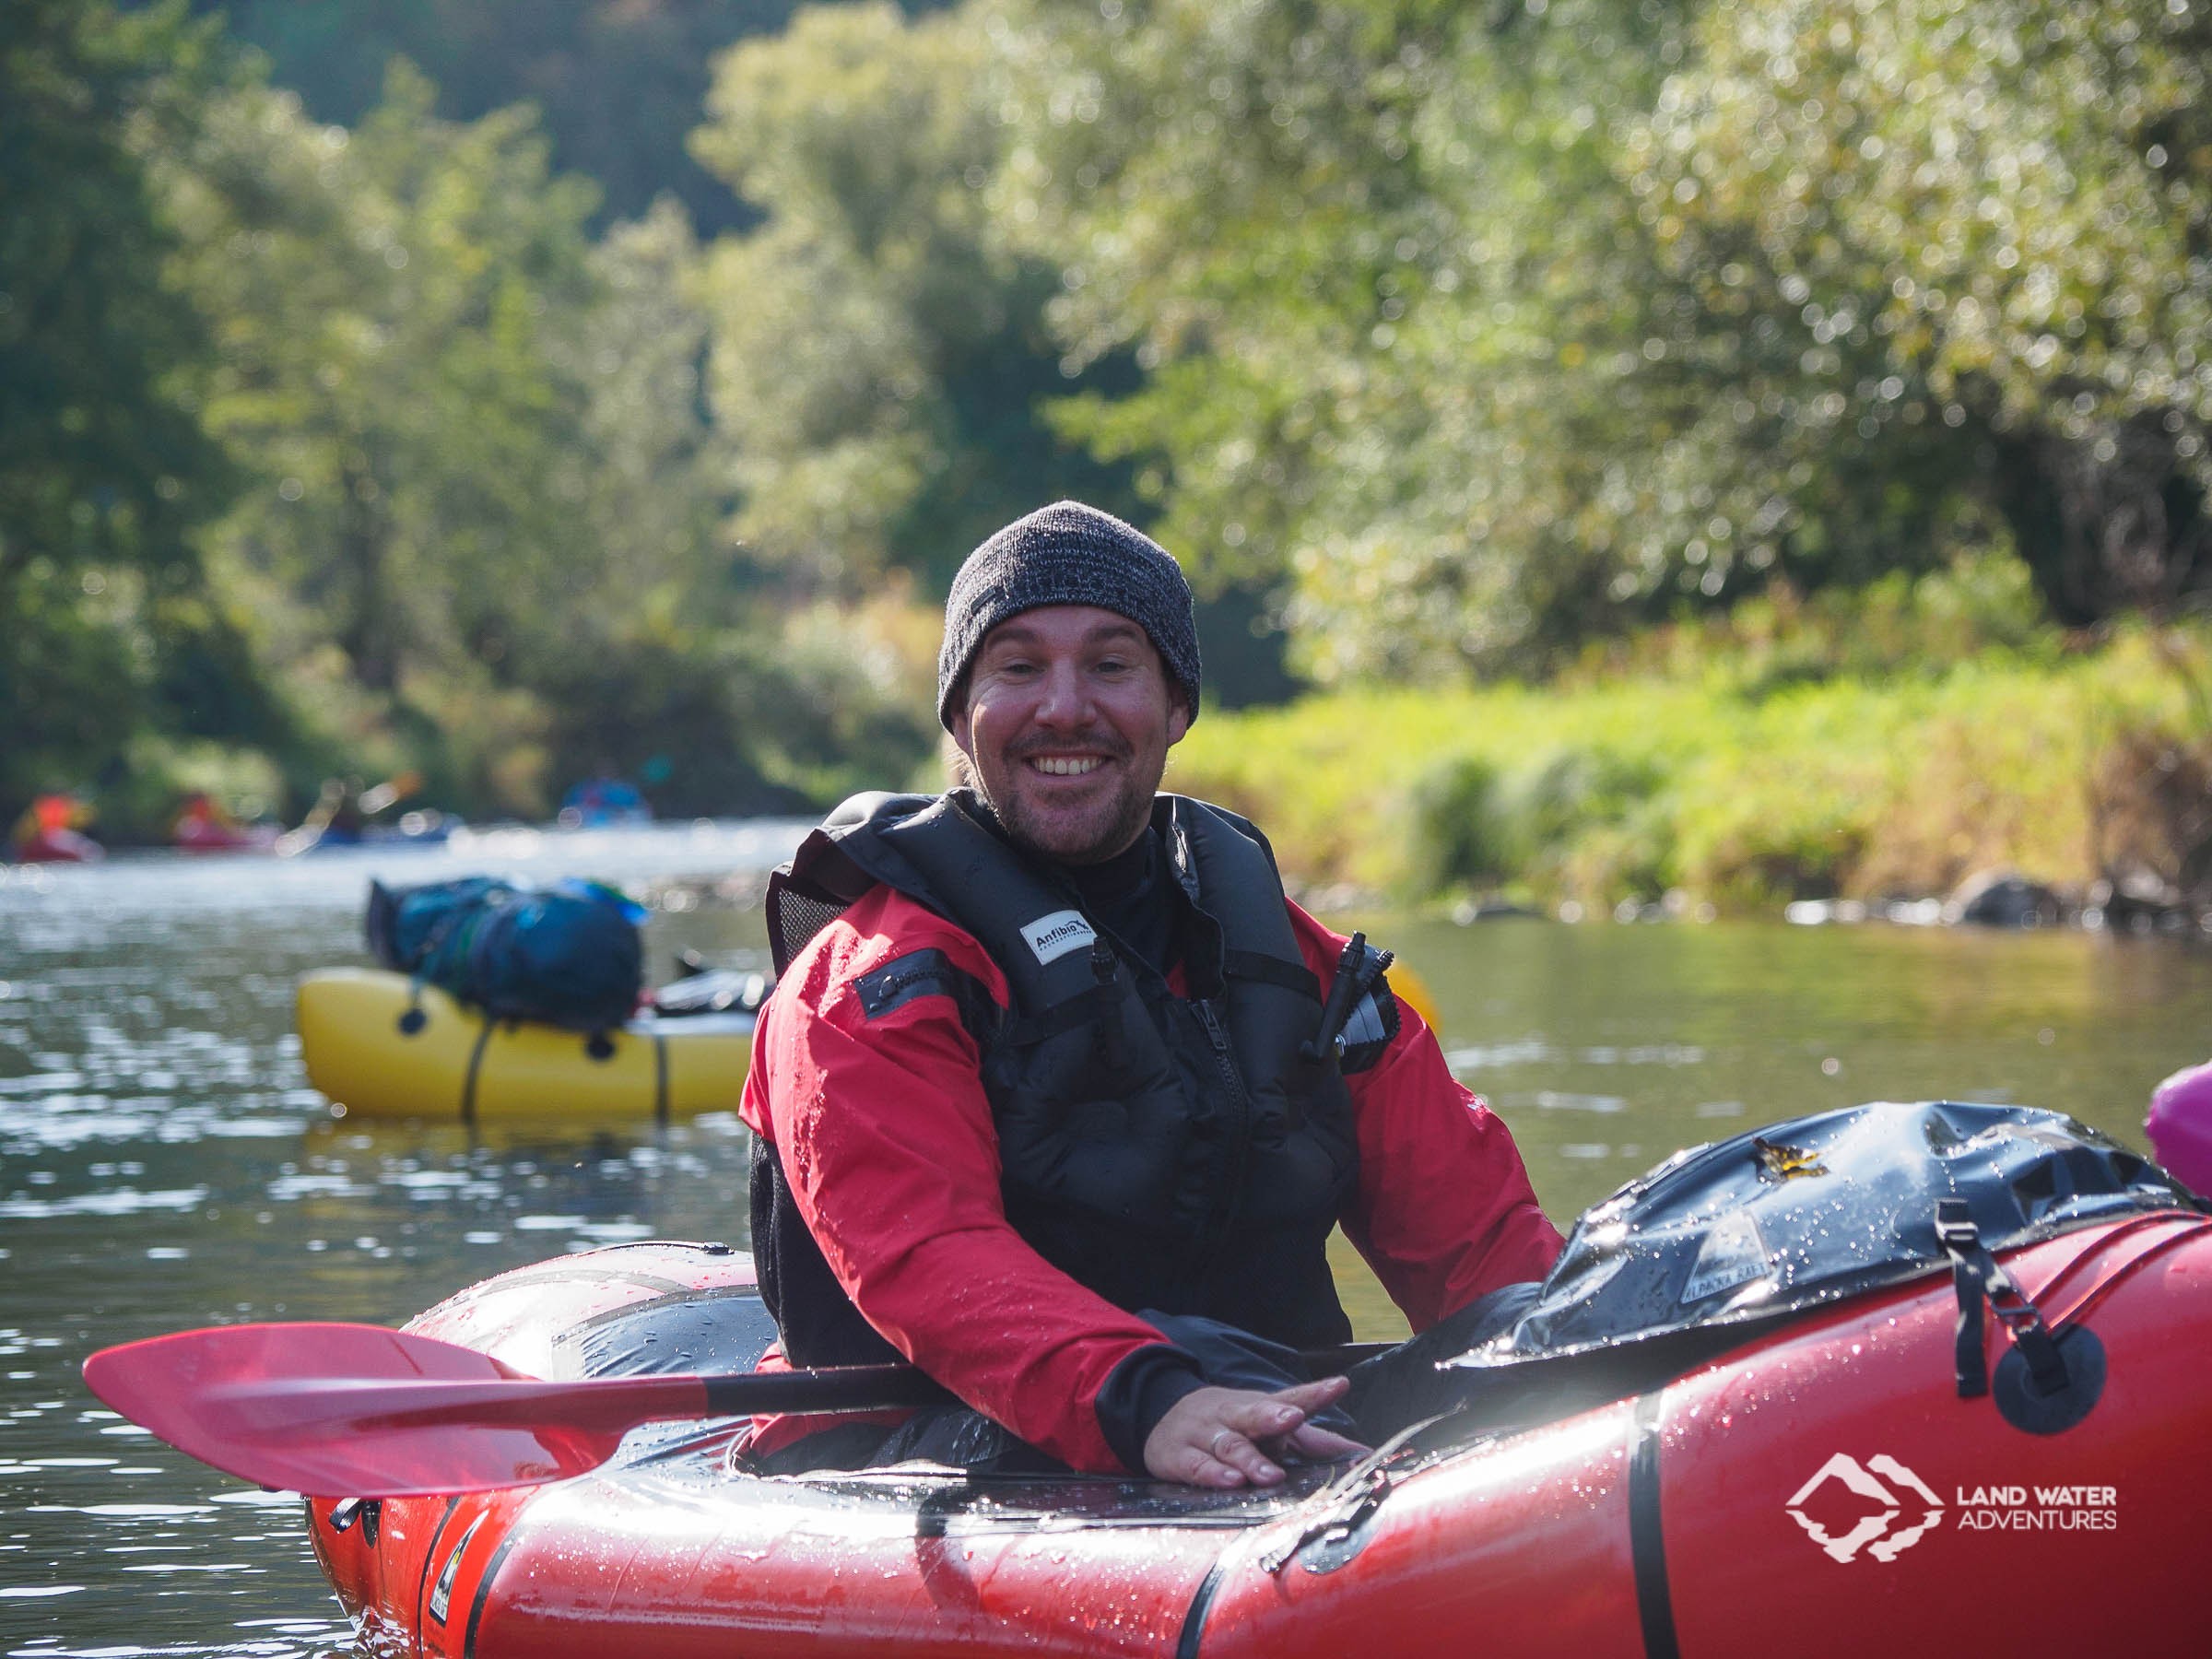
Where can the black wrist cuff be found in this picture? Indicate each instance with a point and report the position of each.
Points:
(1140, 1391)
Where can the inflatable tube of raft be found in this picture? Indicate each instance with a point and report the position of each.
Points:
(456, 1064)
(1821, 1482)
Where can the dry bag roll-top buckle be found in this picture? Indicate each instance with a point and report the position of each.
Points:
(2045, 1382)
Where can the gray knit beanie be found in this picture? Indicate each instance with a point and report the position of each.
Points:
(1069, 554)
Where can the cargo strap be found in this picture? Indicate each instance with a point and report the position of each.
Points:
(475, 1064)
(1978, 1278)
(1647, 1537)
(475, 1605)
(414, 1018)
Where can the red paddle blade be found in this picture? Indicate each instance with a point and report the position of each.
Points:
(359, 1411)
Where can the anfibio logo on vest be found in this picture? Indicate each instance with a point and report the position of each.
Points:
(1052, 936)
(1894, 1490)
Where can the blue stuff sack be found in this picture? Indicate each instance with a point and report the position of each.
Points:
(567, 955)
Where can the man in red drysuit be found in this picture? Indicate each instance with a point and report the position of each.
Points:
(1058, 1096)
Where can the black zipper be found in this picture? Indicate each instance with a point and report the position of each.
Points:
(1240, 1130)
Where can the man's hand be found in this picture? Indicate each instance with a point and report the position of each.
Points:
(1230, 1437)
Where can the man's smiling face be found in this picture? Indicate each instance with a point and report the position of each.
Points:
(1068, 718)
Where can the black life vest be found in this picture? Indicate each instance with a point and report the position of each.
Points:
(1178, 1153)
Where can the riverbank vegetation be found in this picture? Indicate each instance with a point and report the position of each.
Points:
(1892, 748)
(1746, 451)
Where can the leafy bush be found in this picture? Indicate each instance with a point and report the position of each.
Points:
(1707, 780)
(1477, 826)
(1463, 833)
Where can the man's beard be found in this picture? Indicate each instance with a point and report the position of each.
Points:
(1130, 811)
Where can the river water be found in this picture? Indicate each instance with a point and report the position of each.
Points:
(164, 1163)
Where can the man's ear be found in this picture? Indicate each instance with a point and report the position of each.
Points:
(1179, 719)
(959, 771)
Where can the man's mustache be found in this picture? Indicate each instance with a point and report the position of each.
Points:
(1107, 744)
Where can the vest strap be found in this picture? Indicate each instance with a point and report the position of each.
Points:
(1068, 1015)
(1271, 970)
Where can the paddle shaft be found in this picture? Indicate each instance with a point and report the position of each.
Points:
(898, 1387)
(601, 1402)
(616, 1401)
(314, 1406)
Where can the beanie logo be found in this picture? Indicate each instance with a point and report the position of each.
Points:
(1053, 936)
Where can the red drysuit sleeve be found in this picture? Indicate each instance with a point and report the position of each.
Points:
(891, 1156)
(1444, 1211)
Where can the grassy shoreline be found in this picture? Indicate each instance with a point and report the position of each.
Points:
(1715, 777)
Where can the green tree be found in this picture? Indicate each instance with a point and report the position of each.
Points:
(1353, 243)
(107, 629)
(662, 663)
(1976, 239)
(398, 313)
(486, 538)
(617, 82)
(1479, 331)
(878, 360)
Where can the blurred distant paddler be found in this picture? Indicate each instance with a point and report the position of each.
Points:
(1059, 1096)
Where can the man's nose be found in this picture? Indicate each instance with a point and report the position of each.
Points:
(1067, 700)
